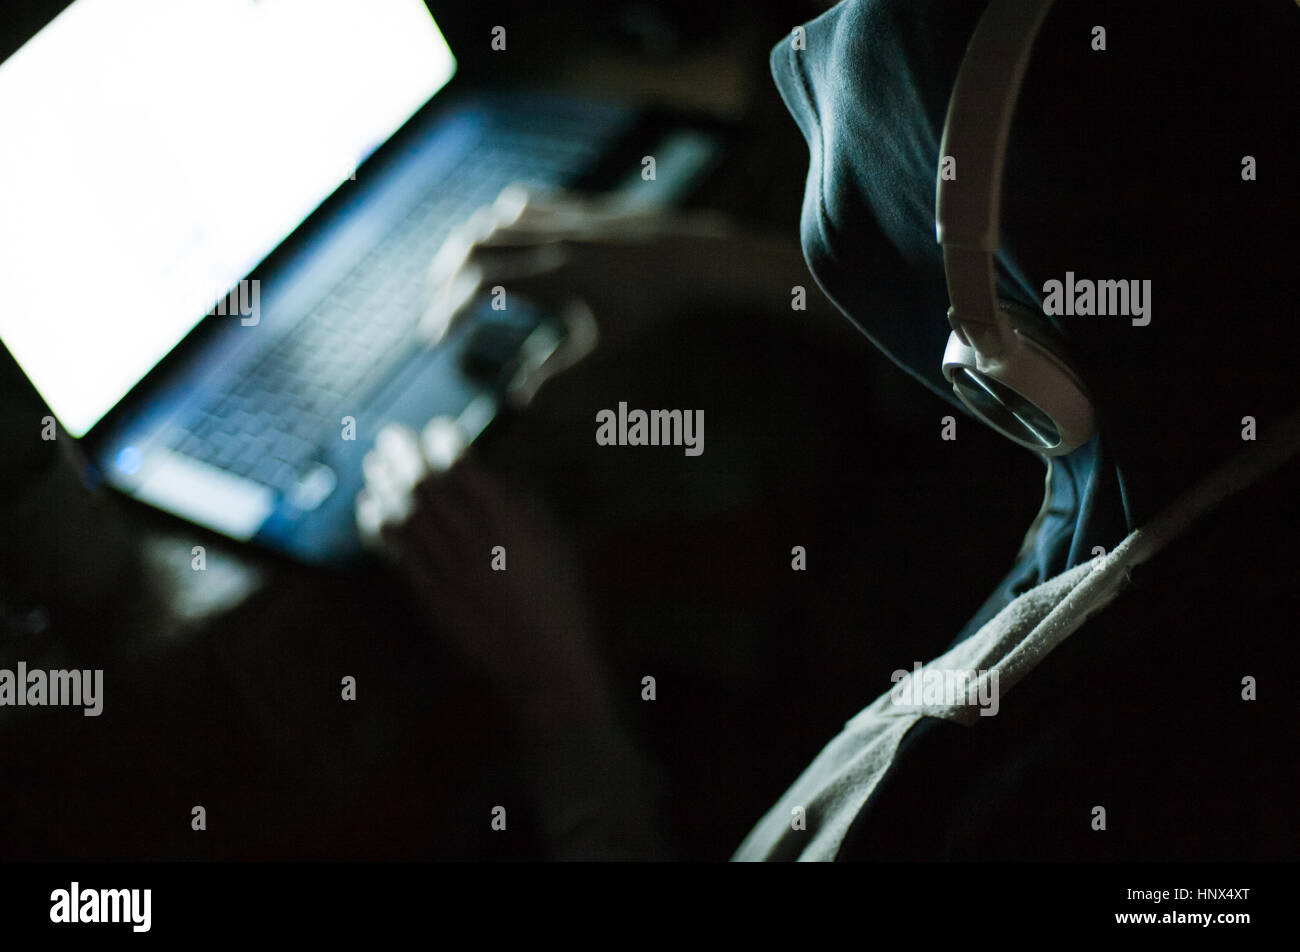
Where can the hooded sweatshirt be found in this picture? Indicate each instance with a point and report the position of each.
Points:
(1136, 158)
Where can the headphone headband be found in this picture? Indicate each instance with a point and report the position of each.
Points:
(999, 370)
(978, 122)
(976, 131)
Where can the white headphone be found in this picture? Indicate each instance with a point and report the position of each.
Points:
(1000, 364)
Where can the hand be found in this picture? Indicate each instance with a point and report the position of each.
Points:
(438, 514)
(630, 268)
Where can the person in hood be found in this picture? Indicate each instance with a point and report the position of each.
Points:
(1122, 694)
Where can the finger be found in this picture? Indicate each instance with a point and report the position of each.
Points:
(391, 503)
(530, 215)
(612, 221)
(443, 446)
(597, 219)
(514, 199)
(526, 213)
(519, 197)
(507, 264)
(534, 233)
(369, 521)
(449, 303)
(455, 248)
(375, 472)
(442, 519)
(400, 448)
(543, 229)
(522, 204)
(442, 443)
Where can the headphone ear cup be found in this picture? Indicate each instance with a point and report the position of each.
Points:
(1031, 326)
(1029, 393)
(1028, 324)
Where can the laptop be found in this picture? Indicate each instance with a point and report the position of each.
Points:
(216, 220)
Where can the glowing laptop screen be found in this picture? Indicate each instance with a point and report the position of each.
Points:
(152, 152)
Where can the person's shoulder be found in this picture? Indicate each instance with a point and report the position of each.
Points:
(1159, 730)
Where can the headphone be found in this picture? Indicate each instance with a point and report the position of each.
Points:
(1000, 364)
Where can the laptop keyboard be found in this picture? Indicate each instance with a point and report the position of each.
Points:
(269, 424)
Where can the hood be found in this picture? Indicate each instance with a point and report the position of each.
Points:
(1124, 164)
